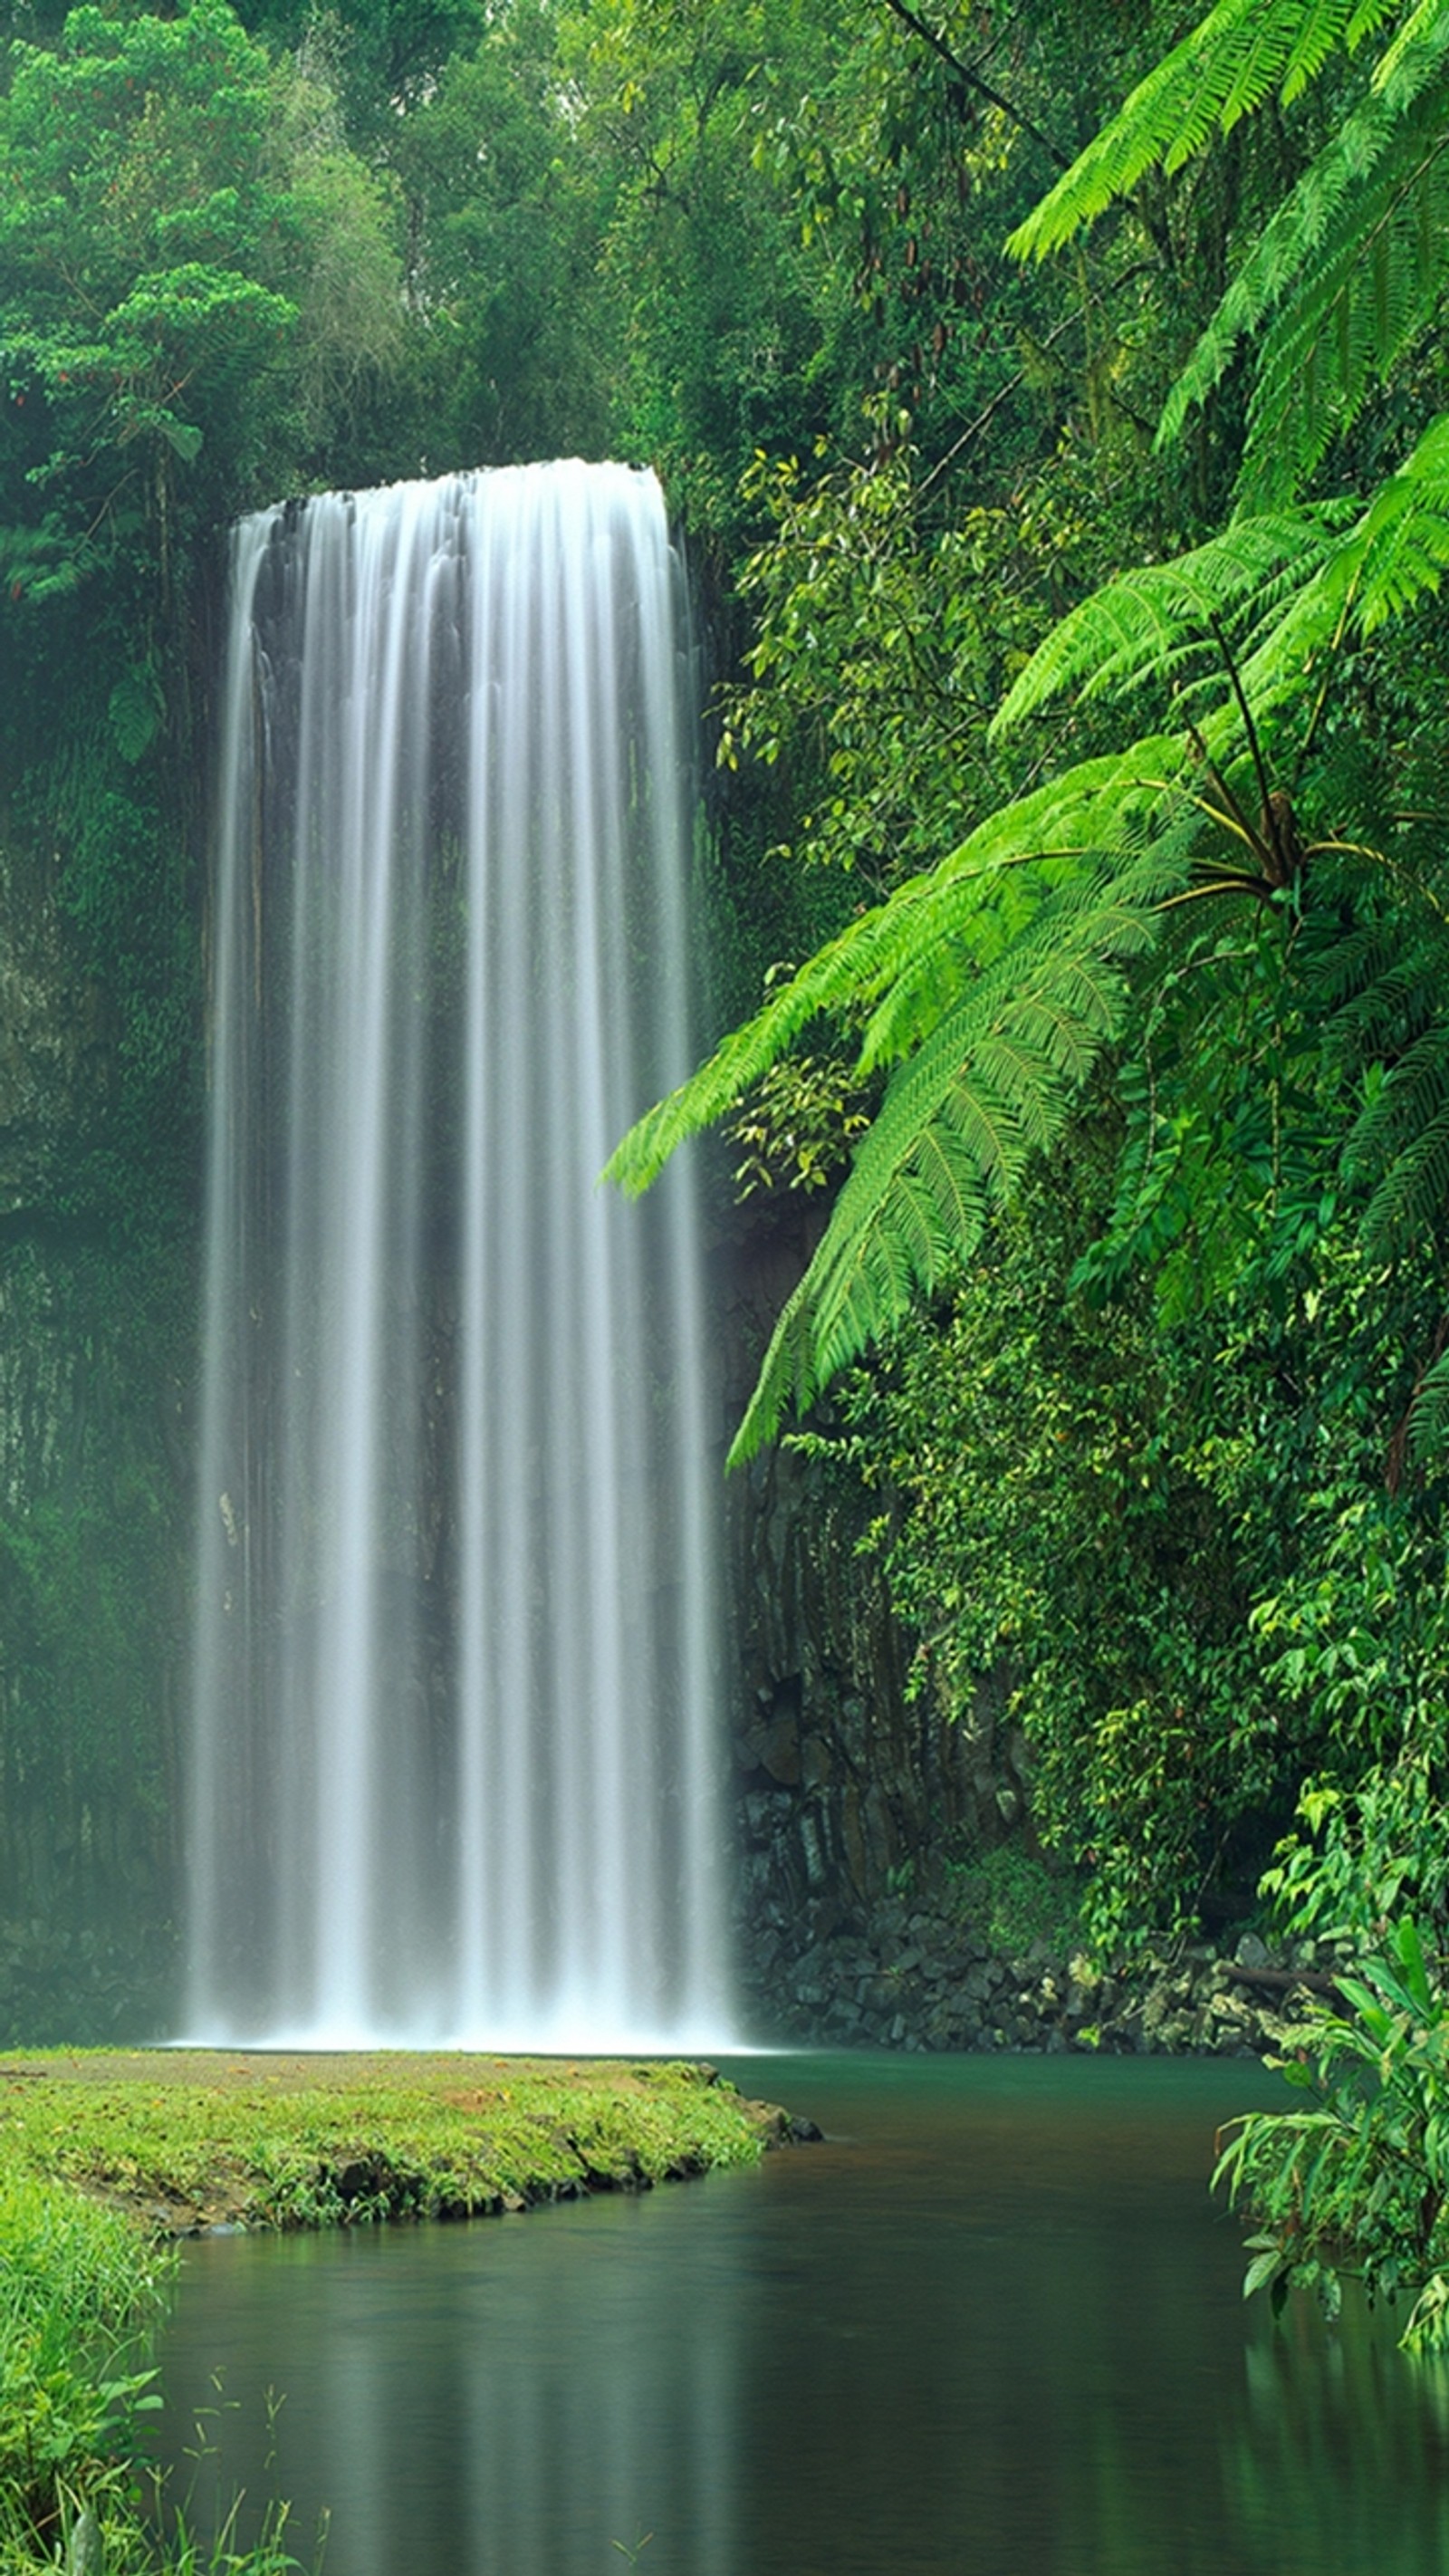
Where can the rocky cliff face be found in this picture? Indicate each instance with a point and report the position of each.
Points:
(846, 1787)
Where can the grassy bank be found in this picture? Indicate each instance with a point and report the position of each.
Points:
(106, 2155)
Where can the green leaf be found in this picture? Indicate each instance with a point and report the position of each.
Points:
(136, 708)
(1231, 64)
(181, 435)
(1263, 2269)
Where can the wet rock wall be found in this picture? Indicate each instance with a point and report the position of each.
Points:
(845, 1786)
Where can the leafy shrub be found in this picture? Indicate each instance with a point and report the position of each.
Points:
(1356, 2186)
(77, 2287)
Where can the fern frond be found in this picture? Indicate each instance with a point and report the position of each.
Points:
(1429, 1413)
(991, 1087)
(1332, 219)
(1375, 994)
(1410, 1200)
(848, 972)
(1370, 291)
(1408, 1099)
(1149, 623)
(1066, 841)
(1409, 34)
(904, 963)
(1377, 570)
(1240, 54)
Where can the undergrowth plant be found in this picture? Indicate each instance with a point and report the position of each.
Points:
(81, 2289)
(1354, 2186)
(78, 2288)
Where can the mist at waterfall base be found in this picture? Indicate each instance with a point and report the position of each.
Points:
(454, 1751)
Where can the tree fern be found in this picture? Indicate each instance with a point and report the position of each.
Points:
(1285, 589)
(1429, 1415)
(1159, 622)
(1398, 1032)
(1345, 273)
(989, 988)
(902, 964)
(1240, 55)
(1349, 269)
(992, 987)
(1287, 586)
(993, 1085)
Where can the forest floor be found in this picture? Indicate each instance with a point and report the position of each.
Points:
(190, 2139)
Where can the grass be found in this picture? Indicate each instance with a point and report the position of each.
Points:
(105, 2155)
(191, 2138)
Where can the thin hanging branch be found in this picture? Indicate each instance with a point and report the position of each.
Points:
(974, 80)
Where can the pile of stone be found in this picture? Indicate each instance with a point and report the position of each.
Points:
(918, 1980)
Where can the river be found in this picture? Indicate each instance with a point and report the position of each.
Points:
(992, 2327)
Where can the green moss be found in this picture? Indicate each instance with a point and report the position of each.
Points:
(105, 2153)
(196, 2137)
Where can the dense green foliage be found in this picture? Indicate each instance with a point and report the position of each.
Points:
(1149, 1222)
(1156, 891)
(1356, 2184)
(78, 2289)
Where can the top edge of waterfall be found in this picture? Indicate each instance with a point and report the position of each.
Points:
(615, 471)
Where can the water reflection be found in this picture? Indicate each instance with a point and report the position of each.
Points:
(1346, 2441)
(453, 2414)
(996, 2327)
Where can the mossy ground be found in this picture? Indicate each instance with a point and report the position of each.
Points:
(189, 2138)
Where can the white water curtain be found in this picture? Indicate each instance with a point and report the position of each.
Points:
(455, 1750)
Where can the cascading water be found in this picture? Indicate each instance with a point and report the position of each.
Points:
(454, 1753)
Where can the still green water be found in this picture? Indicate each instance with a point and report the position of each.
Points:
(993, 2327)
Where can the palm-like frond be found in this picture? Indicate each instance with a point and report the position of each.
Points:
(1377, 570)
(902, 965)
(1399, 1142)
(1350, 268)
(990, 987)
(1159, 622)
(1345, 273)
(1241, 54)
(1287, 588)
(1429, 1417)
(991, 1087)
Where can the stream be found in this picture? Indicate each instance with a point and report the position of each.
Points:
(993, 2326)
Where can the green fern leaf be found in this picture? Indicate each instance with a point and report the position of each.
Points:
(1379, 569)
(1368, 295)
(1334, 191)
(905, 963)
(1429, 1414)
(1242, 52)
(993, 1086)
(1413, 1194)
(1153, 623)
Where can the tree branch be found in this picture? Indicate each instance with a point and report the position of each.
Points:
(973, 80)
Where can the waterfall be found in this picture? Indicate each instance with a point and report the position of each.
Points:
(454, 1745)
